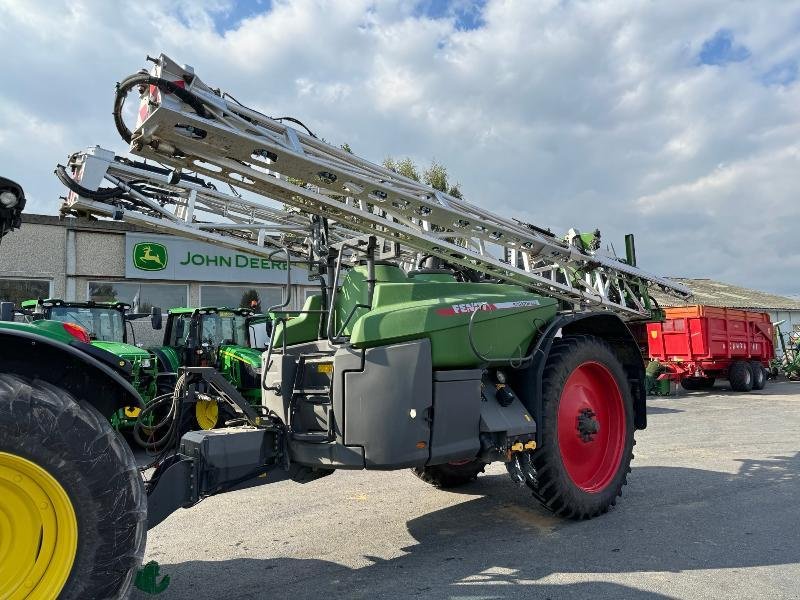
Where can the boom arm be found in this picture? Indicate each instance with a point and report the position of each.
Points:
(161, 200)
(186, 124)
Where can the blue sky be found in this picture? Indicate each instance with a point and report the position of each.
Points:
(721, 49)
(230, 17)
(678, 121)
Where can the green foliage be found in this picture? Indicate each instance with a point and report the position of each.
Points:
(251, 299)
(435, 175)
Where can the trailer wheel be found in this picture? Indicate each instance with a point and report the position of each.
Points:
(759, 375)
(697, 383)
(587, 431)
(74, 490)
(740, 376)
(451, 474)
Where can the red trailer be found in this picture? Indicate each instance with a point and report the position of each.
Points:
(700, 344)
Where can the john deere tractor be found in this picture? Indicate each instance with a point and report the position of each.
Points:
(72, 502)
(104, 326)
(218, 337)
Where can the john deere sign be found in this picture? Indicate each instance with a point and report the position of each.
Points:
(150, 256)
(165, 257)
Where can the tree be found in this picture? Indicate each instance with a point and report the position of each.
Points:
(251, 299)
(435, 175)
(404, 167)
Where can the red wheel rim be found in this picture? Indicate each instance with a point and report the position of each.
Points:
(591, 427)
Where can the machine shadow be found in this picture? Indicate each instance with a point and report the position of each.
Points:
(501, 544)
(662, 410)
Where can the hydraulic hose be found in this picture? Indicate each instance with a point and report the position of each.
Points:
(171, 420)
(150, 441)
(100, 194)
(164, 85)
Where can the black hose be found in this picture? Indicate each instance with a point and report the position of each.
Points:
(72, 185)
(298, 122)
(147, 441)
(164, 85)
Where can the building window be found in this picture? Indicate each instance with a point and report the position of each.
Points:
(18, 290)
(230, 296)
(141, 296)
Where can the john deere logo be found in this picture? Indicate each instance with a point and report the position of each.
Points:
(149, 256)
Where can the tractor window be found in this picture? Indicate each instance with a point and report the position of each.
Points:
(224, 329)
(180, 330)
(18, 290)
(103, 324)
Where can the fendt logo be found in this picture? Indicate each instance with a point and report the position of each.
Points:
(149, 256)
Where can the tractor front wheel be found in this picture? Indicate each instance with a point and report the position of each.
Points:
(72, 503)
(587, 431)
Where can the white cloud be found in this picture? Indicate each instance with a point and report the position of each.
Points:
(592, 114)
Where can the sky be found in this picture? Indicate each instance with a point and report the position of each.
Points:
(676, 121)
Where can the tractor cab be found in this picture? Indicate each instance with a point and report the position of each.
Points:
(194, 337)
(101, 321)
(105, 326)
(223, 338)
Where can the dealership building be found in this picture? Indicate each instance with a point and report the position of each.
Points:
(80, 259)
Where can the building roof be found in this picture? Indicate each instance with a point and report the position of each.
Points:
(716, 293)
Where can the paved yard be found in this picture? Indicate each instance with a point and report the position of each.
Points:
(712, 510)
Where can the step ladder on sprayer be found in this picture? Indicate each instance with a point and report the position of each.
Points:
(184, 123)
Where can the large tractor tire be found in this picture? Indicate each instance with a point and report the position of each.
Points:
(587, 431)
(740, 376)
(692, 384)
(452, 474)
(73, 490)
(759, 375)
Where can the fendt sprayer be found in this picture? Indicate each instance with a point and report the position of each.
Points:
(444, 337)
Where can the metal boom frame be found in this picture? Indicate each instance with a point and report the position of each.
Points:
(193, 128)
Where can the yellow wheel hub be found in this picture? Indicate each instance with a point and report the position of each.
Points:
(207, 413)
(38, 531)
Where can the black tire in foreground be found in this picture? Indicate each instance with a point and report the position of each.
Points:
(740, 376)
(587, 431)
(697, 383)
(759, 375)
(451, 475)
(71, 449)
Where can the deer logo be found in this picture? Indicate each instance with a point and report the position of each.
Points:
(150, 256)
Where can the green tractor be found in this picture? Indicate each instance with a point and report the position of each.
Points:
(104, 325)
(68, 480)
(219, 337)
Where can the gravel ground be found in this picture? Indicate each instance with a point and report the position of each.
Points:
(710, 511)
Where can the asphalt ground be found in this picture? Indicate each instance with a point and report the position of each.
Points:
(711, 510)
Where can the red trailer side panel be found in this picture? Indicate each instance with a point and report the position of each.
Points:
(710, 334)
